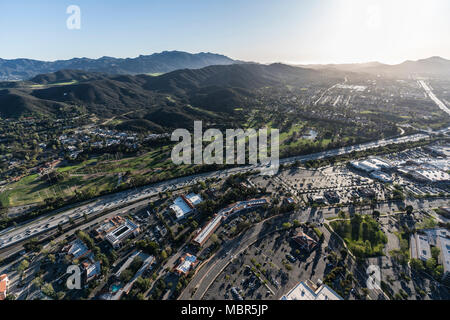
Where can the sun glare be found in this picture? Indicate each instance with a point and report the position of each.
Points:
(363, 31)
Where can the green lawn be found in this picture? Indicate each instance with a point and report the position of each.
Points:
(362, 235)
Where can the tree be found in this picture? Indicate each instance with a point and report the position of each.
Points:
(214, 238)
(417, 265)
(286, 225)
(376, 214)
(136, 264)
(430, 264)
(409, 209)
(48, 290)
(126, 275)
(341, 214)
(10, 297)
(435, 252)
(142, 284)
(23, 266)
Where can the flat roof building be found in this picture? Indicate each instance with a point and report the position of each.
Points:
(122, 233)
(380, 175)
(420, 247)
(208, 230)
(223, 214)
(77, 249)
(445, 252)
(187, 263)
(306, 290)
(371, 164)
(183, 205)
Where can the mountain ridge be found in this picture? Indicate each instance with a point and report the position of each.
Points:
(162, 62)
(435, 65)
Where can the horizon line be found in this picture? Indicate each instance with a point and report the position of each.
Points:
(287, 62)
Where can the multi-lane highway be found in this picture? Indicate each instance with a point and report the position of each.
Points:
(51, 221)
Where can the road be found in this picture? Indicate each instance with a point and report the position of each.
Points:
(44, 224)
(232, 248)
(433, 97)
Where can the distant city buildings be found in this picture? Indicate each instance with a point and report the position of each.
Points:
(307, 290)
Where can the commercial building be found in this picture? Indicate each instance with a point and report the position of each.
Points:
(420, 248)
(371, 164)
(332, 196)
(367, 193)
(183, 205)
(381, 176)
(445, 253)
(304, 241)
(306, 290)
(224, 214)
(91, 268)
(439, 238)
(242, 206)
(441, 151)
(187, 263)
(123, 232)
(317, 198)
(430, 175)
(208, 230)
(77, 249)
(107, 226)
(4, 286)
(289, 200)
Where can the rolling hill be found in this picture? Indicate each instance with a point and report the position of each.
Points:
(168, 100)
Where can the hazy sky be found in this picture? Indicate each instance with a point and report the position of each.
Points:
(302, 31)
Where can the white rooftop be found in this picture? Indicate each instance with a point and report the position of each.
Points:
(194, 198)
(303, 291)
(180, 207)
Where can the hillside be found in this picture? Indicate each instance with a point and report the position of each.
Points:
(164, 100)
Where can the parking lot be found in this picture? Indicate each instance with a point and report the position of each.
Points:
(268, 269)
